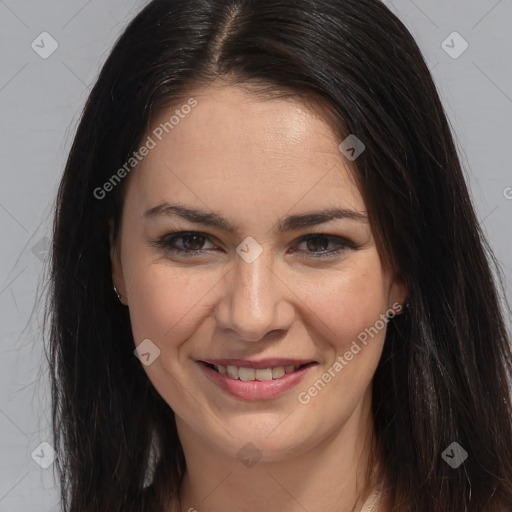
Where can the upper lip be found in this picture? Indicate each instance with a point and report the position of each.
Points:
(262, 363)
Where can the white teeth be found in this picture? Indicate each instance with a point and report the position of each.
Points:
(246, 373)
(232, 371)
(262, 374)
(277, 372)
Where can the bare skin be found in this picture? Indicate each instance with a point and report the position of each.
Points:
(255, 161)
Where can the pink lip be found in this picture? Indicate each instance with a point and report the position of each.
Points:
(255, 390)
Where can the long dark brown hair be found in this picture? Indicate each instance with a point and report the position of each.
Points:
(445, 372)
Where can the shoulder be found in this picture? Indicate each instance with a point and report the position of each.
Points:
(375, 500)
(150, 501)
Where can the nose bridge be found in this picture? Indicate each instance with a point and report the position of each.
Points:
(255, 300)
(252, 283)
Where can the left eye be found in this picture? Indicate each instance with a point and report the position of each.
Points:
(317, 245)
(191, 243)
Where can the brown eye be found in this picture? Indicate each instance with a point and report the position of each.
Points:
(317, 246)
(185, 242)
(193, 242)
(317, 243)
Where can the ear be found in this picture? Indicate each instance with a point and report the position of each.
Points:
(115, 262)
(398, 295)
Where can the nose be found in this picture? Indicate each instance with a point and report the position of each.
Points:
(255, 300)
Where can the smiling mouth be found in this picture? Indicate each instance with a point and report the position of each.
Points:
(256, 374)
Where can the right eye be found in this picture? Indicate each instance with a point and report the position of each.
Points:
(186, 243)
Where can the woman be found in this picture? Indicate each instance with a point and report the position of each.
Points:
(263, 203)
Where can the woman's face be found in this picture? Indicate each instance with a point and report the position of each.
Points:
(267, 278)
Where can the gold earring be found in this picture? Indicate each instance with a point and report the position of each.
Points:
(118, 296)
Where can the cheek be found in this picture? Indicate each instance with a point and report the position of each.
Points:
(348, 302)
(167, 306)
(346, 314)
(166, 303)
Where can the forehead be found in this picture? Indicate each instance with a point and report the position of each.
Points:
(236, 145)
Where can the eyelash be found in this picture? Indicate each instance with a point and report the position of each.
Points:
(166, 241)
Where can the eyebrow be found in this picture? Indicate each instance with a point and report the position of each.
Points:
(290, 223)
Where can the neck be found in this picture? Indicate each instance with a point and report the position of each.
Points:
(332, 476)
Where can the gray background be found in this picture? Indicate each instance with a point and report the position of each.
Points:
(40, 102)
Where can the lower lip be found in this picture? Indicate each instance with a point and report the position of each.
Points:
(255, 389)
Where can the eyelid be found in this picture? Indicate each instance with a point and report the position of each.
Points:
(165, 241)
(342, 243)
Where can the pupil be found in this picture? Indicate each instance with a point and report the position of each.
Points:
(314, 246)
(197, 241)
